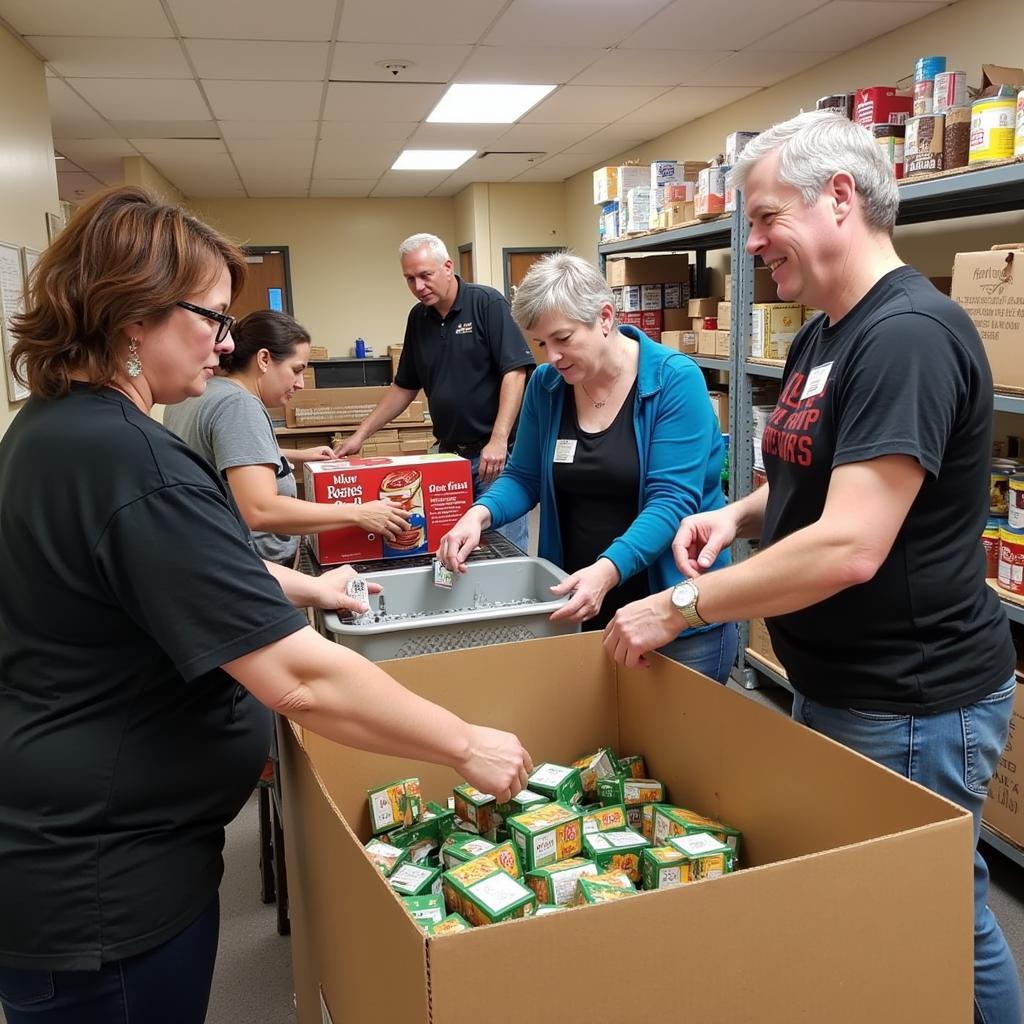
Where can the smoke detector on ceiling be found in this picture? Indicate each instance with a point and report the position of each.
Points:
(396, 67)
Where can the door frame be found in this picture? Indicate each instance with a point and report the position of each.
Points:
(266, 250)
(467, 247)
(507, 253)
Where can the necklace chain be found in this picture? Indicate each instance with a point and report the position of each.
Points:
(596, 404)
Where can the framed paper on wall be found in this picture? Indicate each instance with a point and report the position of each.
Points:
(12, 298)
(54, 225)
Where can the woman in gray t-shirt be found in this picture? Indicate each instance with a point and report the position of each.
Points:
(229, 425)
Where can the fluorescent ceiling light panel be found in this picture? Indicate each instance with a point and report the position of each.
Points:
(431, 159)
(487, 104)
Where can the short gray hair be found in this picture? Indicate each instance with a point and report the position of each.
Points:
(561, 282)
(416, 242)
(817, 144)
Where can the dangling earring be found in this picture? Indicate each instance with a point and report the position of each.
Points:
(133, 364)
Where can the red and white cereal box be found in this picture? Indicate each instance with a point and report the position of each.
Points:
(436, 489)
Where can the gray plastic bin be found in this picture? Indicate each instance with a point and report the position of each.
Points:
(456, 618)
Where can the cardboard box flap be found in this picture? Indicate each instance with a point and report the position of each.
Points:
(994, 75)
(694, 918)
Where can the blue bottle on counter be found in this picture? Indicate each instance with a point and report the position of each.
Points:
(360, 348)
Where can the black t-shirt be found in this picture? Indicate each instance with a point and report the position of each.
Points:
(128, 578)
(598, 497)
(459, 361)
(904, 372)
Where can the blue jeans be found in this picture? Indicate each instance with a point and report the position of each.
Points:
(518, 531)
(953, 754)
(166, 985)
(712, 652)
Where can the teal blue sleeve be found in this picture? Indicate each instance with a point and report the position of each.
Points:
(682, 437)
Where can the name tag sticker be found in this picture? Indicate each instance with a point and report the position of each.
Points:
(565, 450)
(816, 380)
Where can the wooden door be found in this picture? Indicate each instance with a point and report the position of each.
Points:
(266, 284)
(466, 264)
(516, 266)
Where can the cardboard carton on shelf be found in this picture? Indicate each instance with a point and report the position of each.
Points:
(990, 287)
(681, 341)
(676, 320)
(764, 286)
(647, 269)
(319, 352)
(707, 343)
(723, 343)
(887, 858)
(1003, 810)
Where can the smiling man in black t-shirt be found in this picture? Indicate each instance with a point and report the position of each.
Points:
(871, 573)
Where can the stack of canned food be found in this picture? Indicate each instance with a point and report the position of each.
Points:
(1004, 532)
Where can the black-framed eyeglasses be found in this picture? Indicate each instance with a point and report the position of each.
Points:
(224, 321)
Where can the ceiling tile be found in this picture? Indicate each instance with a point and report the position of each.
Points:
(852, 21)
(310, 20)
(290, 157)
(273, 187)
(268, 129)
(200, 184)
(218, 166)
(150, 98)
(184, 148)
(70, 116)
(85, 57)
(596, 23)
(550, 138)
(735, 24)
(358, 62)
(590, 104)
(619, 137)
(102, 158)
(498, 167)
(456, 136)
(408, 183)
(264, 101)
(334, 160)
(398, 21)
(75, 187)
(648, 67)
(167, 129)
(123, 18)
(380, 101)
(258, 60)
(557, 168)
(682, 105)
(528, 65)
(342, 187)
(758, 68)
(360, 133)
(204, 190)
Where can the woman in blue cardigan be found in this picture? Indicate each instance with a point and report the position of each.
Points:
(618, 442)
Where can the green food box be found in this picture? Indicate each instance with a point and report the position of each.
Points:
(599, 765)
(558, 783)
(461, 847)
(427, 910)
(629, 791)
(449, 926)
(547, 834)
(633, 766)
(616, 851)
(422, 851)
(523, 801)
(413, 800)
(708, 857)
(414, 880)
(498, 897)
(386, 858)
(604, 888)
(605, 819)
(387, 807)
(670, 821)
(435, 823)
(556, 883)
(663, 867)
(474, 808)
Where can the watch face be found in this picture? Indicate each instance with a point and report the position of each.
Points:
(683, 594)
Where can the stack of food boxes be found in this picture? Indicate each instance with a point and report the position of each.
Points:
(589, 832)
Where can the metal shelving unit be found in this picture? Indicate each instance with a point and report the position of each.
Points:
(1002, 402)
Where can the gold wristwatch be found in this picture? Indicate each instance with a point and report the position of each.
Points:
(684, 600)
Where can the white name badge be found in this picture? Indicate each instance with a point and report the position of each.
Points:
(816, 381)
(565, 450)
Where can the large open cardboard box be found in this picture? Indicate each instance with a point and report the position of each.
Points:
(856, 903)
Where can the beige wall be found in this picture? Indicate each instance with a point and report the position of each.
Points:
(346, 277)
(28, 180)
(969, 33)
(139, 171)
(520, 216)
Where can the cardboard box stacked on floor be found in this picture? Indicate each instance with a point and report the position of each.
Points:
(583, 833)
(848, 870)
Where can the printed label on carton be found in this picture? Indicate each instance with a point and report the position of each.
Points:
(498, 892)
(410, 878)
(549, 775)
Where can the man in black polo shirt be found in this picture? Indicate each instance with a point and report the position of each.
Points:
(466, 353)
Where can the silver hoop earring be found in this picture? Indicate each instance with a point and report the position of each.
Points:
(133, 364)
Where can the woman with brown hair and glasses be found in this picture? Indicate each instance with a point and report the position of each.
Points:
(143, 640)
(229, 426)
